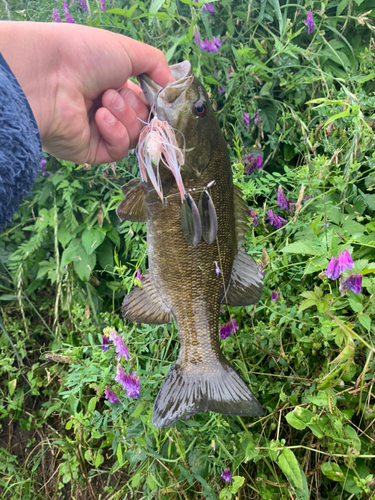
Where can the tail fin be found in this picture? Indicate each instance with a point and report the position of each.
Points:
(186, 392)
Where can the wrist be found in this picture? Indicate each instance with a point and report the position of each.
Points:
(23, 46)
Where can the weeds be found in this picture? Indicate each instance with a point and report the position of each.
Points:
(306, 349)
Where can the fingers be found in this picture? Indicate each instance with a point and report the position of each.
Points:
(147, 59)
(118, 124)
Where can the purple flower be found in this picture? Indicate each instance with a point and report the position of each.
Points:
(197, 39)
(105, 341)
(256, 118)
(310, 23)
(102, 4)
(275, 296)
(68, 17)
(281, 199)
(353, 283)
(308, 197)
(111, 396)
(217, 42)
(228, 328)
(275, 220)
(246, 119)
(139, 275)
(55, 16)
(208, 7)
(209, 46)
(326, 222)
(129, 383)
(43, 167)
(121, 348)
(220, 90)
(229, 72)
(333, 271)
(259, 162)
(253, 216)
(84, 6)
(226, 475)
(217, 269)
(345, 261)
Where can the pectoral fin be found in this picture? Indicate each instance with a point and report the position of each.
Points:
(132, 207)
(144, 305)
(246, 282)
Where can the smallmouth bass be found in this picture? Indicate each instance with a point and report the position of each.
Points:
(182, 281)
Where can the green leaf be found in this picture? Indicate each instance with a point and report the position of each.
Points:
(84, 265)
(333, 471)
(289, 465)
(306, 304)
(152, 484)
(136, 480)
(237, 482)
(251, 452)
(336, 117)
(7, 297)
(355, 305)
(155, 6)
(99, 459)
(299, 418)
(105, 255)
(365, 321)
(91, 239)
(268, 116)
(321, 399)
(138, 411)
(230, 26)
(119, 454)
(341, 7)
(301, 247)
(259, 47)
(12, 384)
(92, 404)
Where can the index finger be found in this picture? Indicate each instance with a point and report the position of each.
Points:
(147, 59)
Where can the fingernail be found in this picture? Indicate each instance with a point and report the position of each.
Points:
(108, 117)
(118, 102)
(130, 98)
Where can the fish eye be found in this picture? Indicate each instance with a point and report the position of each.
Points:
(200, 109)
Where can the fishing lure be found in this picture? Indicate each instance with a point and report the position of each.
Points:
(157, 142)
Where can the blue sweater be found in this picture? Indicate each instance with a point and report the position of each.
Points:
(20, 145)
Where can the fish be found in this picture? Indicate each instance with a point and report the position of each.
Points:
(188, 280)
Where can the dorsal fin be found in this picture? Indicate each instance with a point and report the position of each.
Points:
(132, 207)
(144, 305)
(246, 281)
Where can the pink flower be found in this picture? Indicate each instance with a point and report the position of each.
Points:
(111, 396)
(226, 475)
(130, 383)
(228, 328)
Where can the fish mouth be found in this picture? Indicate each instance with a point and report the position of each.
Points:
(164, 102)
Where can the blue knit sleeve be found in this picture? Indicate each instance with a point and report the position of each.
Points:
(20, 145)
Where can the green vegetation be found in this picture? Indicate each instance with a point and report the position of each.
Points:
(308, 357)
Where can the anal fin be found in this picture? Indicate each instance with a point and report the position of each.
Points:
(246, 281)
(144, 305)
(132, 207)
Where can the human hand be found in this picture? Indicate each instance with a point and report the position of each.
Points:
(70, 75)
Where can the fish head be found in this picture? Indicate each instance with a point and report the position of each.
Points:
(185, 105)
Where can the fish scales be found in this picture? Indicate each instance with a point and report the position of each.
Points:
(186, 279)
(182, 282)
